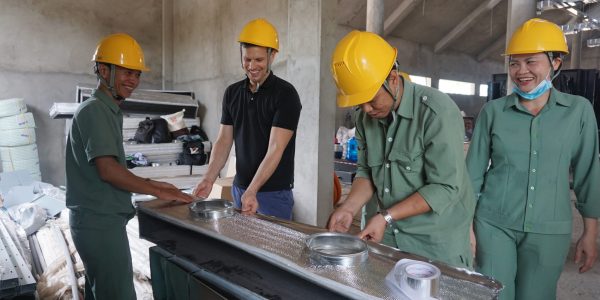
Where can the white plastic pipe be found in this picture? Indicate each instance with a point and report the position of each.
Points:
(70, 269)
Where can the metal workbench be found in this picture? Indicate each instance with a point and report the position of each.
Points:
(266, 258)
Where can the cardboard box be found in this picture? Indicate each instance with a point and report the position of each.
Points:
(222, 189)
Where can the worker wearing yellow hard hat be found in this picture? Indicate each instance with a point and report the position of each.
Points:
(118, 50)
(260, 115)
(260, 32)
(99, 185)
(411, 173)
(523, 148)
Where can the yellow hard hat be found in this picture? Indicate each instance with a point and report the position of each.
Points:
(535, 36)
(261, 33)
(360, 64)
(122, 50)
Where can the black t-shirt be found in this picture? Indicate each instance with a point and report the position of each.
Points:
(275, 104)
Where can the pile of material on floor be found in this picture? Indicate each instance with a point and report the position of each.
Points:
(18, 148)
(34, 228)
(15, 271)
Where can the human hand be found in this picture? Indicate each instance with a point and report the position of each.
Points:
(340, 220)
(203, 188)
(249, 203)
(586, 250)
(374, 229)
(174, 194)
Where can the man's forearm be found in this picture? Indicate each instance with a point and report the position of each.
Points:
(278, 141)
(265, 170)
(360, 193)
(218, 158)
(413, 205)
(117, 175)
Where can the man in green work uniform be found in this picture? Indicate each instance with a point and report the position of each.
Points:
(411, 172)
(99, 185)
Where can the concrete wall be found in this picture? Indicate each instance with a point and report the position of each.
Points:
(45, 51)
(311, 40)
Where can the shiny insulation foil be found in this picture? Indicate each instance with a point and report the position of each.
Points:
(283, 243)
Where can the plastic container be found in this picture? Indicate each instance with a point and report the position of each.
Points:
(352, 150)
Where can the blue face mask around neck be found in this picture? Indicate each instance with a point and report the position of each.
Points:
(544, 86)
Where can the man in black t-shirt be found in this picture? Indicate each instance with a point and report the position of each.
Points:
(260, 114)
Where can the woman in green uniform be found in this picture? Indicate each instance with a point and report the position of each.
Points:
(522, 149)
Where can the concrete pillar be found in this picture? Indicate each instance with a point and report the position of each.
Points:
(575, 53)
(375, 17)
(518, 11)
(167, 44)
(435, 80)
(311, 39)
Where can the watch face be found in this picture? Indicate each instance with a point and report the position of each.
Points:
(389, 219)
(386, 216)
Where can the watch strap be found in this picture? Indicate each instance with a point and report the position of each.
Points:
(387, 217)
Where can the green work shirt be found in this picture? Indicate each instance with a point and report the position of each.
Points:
(519, 163)
(97, 130)
(420, 150)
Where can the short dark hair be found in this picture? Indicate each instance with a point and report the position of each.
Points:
(557, 54)
(97, 66)
(248, 45)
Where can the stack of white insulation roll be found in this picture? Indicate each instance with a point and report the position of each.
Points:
(18, 150)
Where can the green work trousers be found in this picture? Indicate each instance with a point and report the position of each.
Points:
(527, 264)
(102, 244)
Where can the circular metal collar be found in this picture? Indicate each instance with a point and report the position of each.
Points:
(211, 209)
(332, 248)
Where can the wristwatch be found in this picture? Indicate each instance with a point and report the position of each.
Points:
(387, 217)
